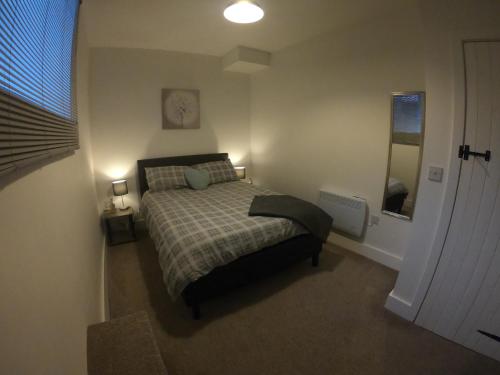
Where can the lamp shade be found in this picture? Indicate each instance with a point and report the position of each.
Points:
(120, 187)
(240, 172)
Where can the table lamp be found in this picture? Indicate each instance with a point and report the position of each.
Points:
(240, 172)
(119, 190)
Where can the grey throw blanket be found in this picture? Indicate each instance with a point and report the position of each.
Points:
(310, 216)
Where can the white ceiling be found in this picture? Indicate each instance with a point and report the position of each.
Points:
(198, 26)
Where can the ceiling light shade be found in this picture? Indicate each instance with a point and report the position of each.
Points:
(243, 12)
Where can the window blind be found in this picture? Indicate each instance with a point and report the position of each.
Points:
(38, 116)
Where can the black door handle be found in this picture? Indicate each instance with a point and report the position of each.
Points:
(464, 152)
(490, 335)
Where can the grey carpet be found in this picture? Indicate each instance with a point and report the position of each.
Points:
(325, 320)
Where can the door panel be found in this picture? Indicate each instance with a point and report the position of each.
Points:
(464, 295)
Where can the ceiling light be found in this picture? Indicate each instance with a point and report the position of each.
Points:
(243, 12)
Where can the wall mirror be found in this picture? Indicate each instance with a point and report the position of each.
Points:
(405, 153)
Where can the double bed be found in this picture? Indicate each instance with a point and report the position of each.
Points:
(207, 242)
(396, 194)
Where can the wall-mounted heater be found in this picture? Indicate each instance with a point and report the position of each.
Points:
(348, 213)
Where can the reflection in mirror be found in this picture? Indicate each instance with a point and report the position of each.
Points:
(405, 153)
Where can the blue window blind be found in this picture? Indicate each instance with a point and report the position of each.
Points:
(408, 118)
(407, 113)
(37, 97)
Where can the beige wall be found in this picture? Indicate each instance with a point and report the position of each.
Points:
(126, 111)
(51, 259)
(321, 118)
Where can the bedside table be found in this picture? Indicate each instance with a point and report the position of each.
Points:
(119, 226)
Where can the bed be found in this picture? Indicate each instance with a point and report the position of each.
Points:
(395, 196)
(207, 243)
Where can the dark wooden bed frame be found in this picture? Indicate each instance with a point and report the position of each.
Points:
(395, 202)
(243, 270)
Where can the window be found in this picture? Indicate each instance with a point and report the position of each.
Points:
(407, 112)
(37, 96)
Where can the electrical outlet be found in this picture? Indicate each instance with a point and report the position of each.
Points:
(435, 174)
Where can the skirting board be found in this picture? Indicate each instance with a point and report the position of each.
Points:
(368, 251)
(400, 307)
(104, 283)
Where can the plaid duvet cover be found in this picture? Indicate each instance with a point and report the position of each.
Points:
(195, 231)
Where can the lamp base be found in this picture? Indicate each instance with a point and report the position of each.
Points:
(123, 208)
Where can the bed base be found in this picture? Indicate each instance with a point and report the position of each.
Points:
(251, 268)
(395, 202)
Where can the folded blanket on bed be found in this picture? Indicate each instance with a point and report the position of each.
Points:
(310, 216)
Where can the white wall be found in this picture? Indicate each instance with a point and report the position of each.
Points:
(446, 24)
(321, 118)
(126, 111)
(51, 259)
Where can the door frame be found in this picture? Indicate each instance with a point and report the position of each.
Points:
(451, 188)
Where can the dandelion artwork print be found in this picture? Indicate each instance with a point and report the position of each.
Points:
(181, 109)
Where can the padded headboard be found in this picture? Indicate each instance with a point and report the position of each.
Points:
(171, 160)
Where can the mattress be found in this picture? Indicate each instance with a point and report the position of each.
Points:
(195, 231)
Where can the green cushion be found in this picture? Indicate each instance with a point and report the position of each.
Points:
(197, 179)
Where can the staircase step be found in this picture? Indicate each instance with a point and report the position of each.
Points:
(124, 346)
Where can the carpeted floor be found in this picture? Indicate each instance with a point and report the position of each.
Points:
(326, 320)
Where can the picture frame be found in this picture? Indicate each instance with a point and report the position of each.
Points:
(180, 109)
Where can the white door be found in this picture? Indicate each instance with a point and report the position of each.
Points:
(464, 295)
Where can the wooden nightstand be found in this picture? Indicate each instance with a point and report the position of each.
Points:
(119, 226)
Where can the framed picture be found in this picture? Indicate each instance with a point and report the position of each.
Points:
(180, 109)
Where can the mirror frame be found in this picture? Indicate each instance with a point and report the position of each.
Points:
(420, 153)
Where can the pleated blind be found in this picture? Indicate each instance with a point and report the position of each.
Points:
(38, 116)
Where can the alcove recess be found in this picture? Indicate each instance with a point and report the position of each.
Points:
(246, 60)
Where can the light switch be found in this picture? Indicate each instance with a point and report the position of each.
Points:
(435, 174)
